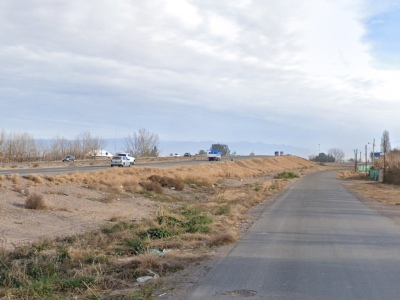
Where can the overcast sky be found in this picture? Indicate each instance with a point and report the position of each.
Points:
(300, 73)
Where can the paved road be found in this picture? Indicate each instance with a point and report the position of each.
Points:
(316, 241)
(71, 168)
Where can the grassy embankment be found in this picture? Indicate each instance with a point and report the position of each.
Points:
(200, 207)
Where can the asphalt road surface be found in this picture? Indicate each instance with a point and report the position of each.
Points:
(316, 241)
(71, 168)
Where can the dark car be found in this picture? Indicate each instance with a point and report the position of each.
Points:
(187, 154)
(69, 158)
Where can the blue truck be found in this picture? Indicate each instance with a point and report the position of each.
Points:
(213, 154)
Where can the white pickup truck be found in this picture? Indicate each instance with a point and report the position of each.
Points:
(213, 154)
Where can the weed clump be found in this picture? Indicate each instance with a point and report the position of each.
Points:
(151, 186)
(136, 245)
(168, 182)
(287, 175)
(223, 238)
(36, 201)
(33, 177)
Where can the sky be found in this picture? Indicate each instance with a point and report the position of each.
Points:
(313, 74)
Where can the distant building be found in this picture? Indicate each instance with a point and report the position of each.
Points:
(99, 153)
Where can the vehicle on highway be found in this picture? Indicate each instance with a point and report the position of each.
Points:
(177, 155)
(120, 161)
(213, 154)
(187, 154)
(69, 158)
(129, 156)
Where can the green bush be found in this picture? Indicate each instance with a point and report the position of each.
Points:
(120, 226)
(136, 245)
(198, 224)
(158, 233)
(287, 175)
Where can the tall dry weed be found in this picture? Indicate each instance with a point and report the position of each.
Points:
(223, 238)
(14, 178)
(37, 201)
(34, 178)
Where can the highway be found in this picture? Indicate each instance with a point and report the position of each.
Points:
(316, 241)
(67, 168)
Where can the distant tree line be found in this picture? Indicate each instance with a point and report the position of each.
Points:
(334, 155)
(323, 158)
(21, 147)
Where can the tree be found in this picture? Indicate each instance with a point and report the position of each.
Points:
(143, 143)
(223, 148)
(85, 144)
(202, 152)
(18, 147)
(336, 153)
(385, 149)
(323, 158)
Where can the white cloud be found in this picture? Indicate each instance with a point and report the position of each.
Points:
(183, 11)
(264, 62)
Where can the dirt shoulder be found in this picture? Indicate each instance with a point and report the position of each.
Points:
(383, 198)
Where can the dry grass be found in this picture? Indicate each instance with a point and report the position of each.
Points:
(37, 179)
(223, 238)
(347, 174)
(14, 178)
(151, 186)
(36, 201)
(383, 193)
(201, 207)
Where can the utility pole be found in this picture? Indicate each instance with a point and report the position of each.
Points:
(373, 152)
(355, 160)
(366, 161)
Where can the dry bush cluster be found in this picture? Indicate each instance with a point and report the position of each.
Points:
(156, 183)
(36, 201)
(392, 167)
(201, 212)
(351, 174)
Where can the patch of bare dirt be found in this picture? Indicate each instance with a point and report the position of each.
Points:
(73, 209)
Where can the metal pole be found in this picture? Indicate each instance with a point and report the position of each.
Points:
(373, 153)
(355, 160)
(366, 161)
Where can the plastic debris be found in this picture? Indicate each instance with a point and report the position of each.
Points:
(158, 252)
(147, 278)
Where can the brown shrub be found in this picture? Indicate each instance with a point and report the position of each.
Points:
(130, 186)
(33, 177)
(169, 182)
(151, 186)
(36, 201)
(223, 238)
(393, 174)
(14, 178)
